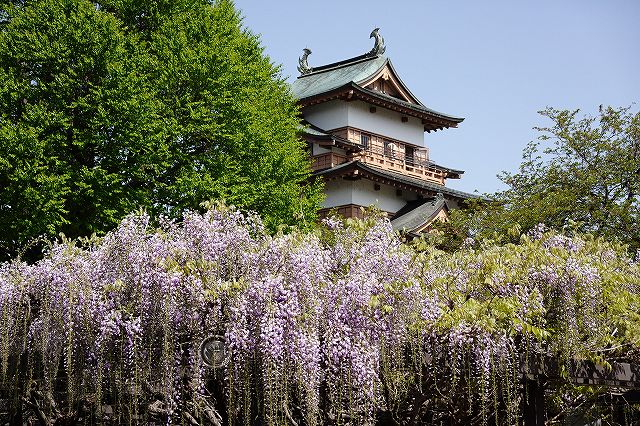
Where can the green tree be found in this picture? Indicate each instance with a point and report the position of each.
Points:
(582, 172)
(105, 108)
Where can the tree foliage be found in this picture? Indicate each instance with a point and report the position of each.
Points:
(107, 107)
(344, 325)
(582, 173)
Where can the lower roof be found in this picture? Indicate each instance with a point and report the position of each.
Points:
(418, 214)
(367, 171)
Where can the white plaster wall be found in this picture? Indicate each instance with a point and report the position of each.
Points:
(338, 113)
(338, 193)
(361, 192)
(385, 198)
(327, 115)
(385, 123)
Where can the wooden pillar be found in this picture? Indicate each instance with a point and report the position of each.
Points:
(533, 409)
(16, 413)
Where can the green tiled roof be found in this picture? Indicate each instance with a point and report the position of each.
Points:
(349, 75)
(317, 133)
(313, 131)
(420, 183)
(418, 216)
(324, 79)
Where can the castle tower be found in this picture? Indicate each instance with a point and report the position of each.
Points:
(365, 131)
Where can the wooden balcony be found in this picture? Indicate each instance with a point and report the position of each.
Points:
(421, 169)
(385, 153)
(327, 160)
(408, 166)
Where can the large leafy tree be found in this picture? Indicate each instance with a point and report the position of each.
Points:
(583, 172)
(105, 108)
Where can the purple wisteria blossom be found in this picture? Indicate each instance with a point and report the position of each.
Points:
(344, 325)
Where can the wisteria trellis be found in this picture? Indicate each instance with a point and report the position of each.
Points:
(345, 325)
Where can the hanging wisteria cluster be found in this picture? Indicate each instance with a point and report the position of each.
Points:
(345, 325)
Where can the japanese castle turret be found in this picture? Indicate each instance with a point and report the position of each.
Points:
(365, 131)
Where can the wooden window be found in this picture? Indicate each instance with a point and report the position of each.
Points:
(390, 149)
(408, 155)
(364, 141)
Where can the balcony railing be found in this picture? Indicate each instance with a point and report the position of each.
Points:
(390, 159)
(327, 160)
(384, 159)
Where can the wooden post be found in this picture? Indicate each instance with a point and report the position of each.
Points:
(533, 409)
(16, 412)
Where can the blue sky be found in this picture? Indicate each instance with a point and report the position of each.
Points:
(496, 63)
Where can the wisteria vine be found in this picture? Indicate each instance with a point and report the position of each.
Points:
(344, 325)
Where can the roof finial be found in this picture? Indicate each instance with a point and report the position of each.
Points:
(303, 65)
(378, 47)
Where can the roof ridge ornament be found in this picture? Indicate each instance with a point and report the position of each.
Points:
(438, 198)
(303, 65)
(378, 47)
